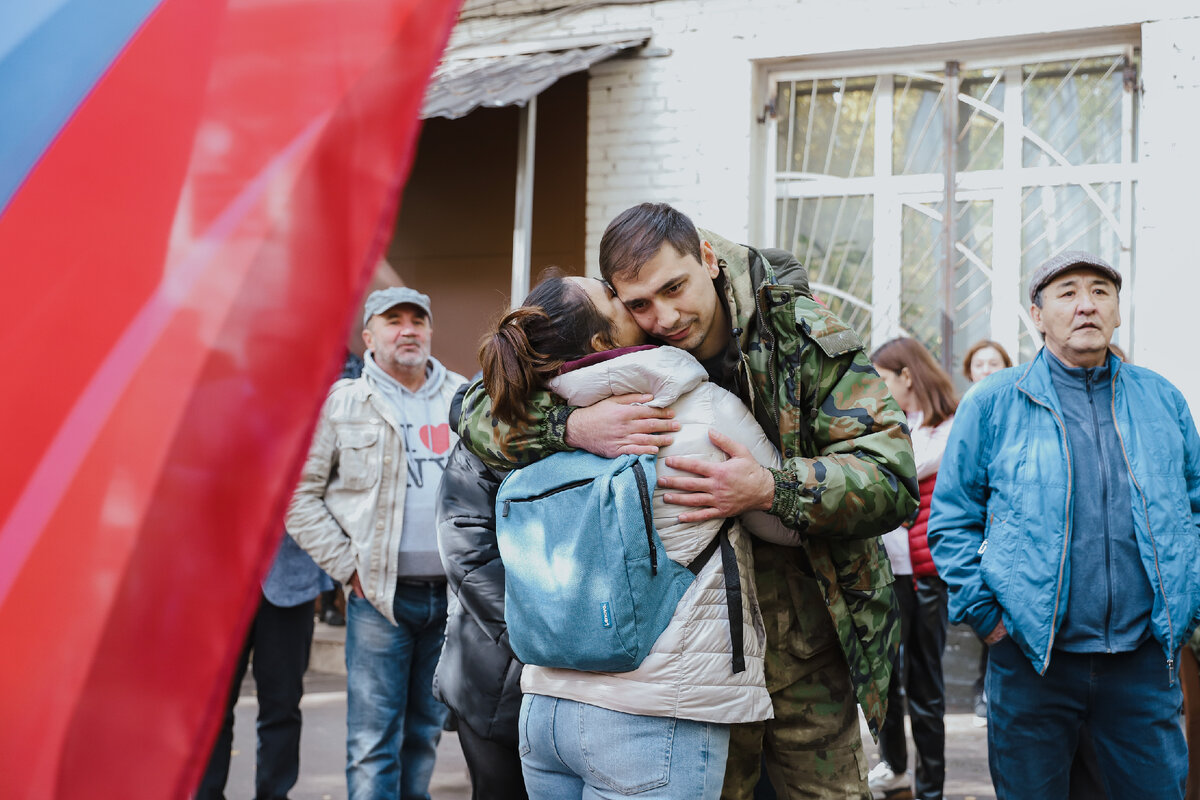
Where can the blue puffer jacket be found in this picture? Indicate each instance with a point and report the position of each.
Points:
(1000, 524)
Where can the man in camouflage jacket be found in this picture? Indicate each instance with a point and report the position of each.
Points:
(847, 476)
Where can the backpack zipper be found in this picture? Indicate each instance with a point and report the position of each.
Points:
(639, 475)
(554, 491)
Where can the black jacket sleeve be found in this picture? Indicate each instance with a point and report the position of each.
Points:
(467, 539)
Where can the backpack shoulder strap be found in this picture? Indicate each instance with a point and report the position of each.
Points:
(733, 588)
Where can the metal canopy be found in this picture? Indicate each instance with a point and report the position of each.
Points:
(508, 75)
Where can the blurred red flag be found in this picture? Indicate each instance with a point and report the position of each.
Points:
(189, 211)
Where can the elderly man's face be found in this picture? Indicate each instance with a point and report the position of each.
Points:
(399, 338)
(1080, 310)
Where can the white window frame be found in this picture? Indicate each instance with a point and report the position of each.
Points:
(1003, 186)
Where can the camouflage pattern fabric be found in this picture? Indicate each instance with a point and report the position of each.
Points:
(812, 748)
(505, 447)
(848, 473)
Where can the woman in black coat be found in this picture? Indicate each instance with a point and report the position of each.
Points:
(478, 676)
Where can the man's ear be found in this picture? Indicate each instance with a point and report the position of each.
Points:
(709, 258)
(1035, 314)
(366, 334)
(599, 342)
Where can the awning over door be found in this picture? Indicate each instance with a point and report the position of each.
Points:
(511, 74)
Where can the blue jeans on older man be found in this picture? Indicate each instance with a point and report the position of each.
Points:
(577, 751)
(1127, 700)
(393, 723)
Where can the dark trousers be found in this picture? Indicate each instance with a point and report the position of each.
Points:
(919, 681)
(495, 768)
(280, 639)
(1087, 782)
(1125, 699)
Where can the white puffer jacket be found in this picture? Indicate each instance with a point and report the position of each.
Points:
(688, 673)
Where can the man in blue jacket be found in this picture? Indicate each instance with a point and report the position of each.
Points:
(1066, 521)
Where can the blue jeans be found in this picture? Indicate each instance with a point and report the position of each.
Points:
(574, 750)
(393, 724)
(1125, 700)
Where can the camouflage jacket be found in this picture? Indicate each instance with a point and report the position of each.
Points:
(848, 473)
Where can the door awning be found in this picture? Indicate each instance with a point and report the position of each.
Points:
(493, 76)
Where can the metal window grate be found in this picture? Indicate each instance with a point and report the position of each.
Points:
(1041, 160)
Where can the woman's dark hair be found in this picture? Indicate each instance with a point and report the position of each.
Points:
(930, 383)
(981, 344)
(528, 345)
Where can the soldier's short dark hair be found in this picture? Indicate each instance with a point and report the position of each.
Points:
(638, 233)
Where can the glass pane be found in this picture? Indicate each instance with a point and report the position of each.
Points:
(922, 295)
(832, 237)
(918, 117)
(827, 127)
(785, 123)
(922, 254)
(1058, 218)
(980, 132)
(972, 311)
(1074, 108)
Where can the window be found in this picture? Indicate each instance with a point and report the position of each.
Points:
(1037, 156)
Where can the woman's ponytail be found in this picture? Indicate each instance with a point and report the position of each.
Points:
(513, 369)
(529, 345)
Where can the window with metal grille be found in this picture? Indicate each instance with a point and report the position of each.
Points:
(1037, 156)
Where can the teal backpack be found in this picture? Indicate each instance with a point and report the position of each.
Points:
(588, 585)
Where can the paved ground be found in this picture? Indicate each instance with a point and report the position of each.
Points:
(324, 736)
(323, 747)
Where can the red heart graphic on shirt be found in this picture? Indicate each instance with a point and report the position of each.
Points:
(436, 437)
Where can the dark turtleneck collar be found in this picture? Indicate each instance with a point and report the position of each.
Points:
(1061, 371)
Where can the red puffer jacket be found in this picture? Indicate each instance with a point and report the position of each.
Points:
(918, 543)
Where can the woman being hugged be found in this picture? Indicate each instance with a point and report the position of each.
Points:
(924, 392)
(662, 729)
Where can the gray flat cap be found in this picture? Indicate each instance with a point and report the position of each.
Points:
(381, 300)
(1071, 259)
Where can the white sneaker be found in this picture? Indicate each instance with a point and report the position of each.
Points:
(884, 782)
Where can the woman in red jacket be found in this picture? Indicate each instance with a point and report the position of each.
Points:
(924, 391)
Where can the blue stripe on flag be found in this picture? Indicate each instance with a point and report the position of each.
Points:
(52, 52)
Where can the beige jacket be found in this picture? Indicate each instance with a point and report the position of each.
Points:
(688, 673)
(348, 508)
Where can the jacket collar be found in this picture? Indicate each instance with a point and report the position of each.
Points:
(1037, 382)
(601, 356)
(737, 288)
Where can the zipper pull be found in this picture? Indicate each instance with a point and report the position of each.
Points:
(982, 548)
(504, 512)
(1170, 670)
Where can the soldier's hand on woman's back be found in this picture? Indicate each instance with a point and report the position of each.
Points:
(620, 424)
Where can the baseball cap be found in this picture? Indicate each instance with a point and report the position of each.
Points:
(1071, 259)
(381, 300)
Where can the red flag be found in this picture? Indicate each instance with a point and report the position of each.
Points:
(191, 233)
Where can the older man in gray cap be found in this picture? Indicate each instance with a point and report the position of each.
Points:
(1066, 521)
(364, 510)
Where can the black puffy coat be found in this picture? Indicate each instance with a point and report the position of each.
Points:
(478, 676)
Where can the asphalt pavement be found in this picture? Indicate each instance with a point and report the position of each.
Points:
(323, 739)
